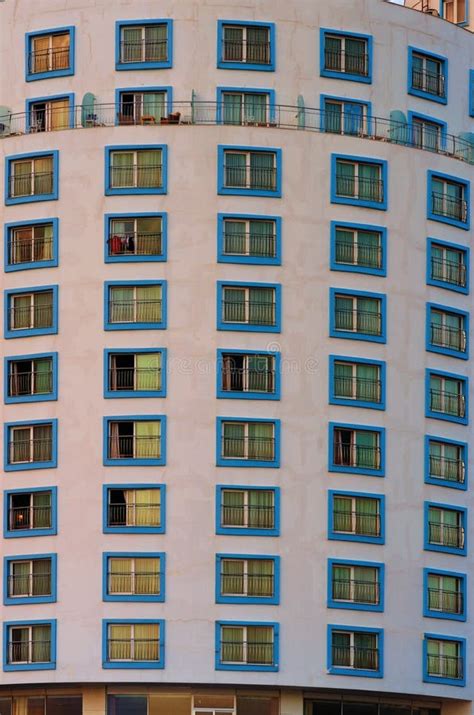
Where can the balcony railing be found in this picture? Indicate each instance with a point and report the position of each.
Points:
(133, 649)
(135, 310)
(138, 582)
(258, 448)
(135, 244)
(33, 184)
(34, 651)
(29, 250)
(447, 403)
(347, 62)
(134, 378)
(246, 51)
(446, 535)
(449, 207)
(357, 388)
(249, 311)
(452, 338)
(355, 455)
(453, 470)
(133, 447)
(30, 450)
(252, 517)
(136, 176)
(31, 316)
(250, 244)
(283, 117)
(48, 60)
(247, 585)
(134, 514)
(448, 271)
(360, 188)
(355, 590)
(240, 379)
(445, 666)
(355, 657)
(431, 82)
(143, 51)
(359, 321)
(354, 522)
(29, 517)
(30, 585)
(445, 601)
(250, 177)
(356, 254)
(247, 652)
(30, 383)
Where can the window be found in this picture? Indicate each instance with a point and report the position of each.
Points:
(446, 396)
(30, 512)
(136, 169)
(248, 374)
(445, 594)
(447, 331)
(455, 11)
(248, 511)
(355, 651)
(249, 171)
(356, 516)
(249, 239)
(357, 382)
(355, 585)
(356, 448)
(133, 644)
(143, 44)
(249, 45)
(247, 646)
(345, 116)
(444, 659)
(135, 373)
(247, 579)
(448, 266)
(448, 200)
(50, 53)
(426, 132)
(249, 306)
(358, 181)
(134, 577)
(138, 440)
(445, 462)
(136, 237)
(358, 248)
(29, 645)
(136, 508)
(248, 442)
(135, 306)
(31, 244)
(30, 445)
(31, 311)
(32, 177)
(47, 114)
(427, 75)
(31, 378)
(250, 107)
(357, 315)
(346, 55)
(30, 579)
(445, 528)
(143, 105)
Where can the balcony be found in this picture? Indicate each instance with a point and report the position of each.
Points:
(252, 517)
(133, 514)
(452, 470)
(447, 403)
(32, 184)
(242, 379)
(355, 455)
(143, 50)
(136, 176)
(354, 657)
(358, 388)
(249, 312)
(49, 60)
(448, 272)
(135, 310)
(451, 338)
(30, 383)
(356, 254)
(359, 321)
(449, 207)
(246, 51)
(133, 649)
(430, 82)
(354, 522)
(347, 62)
(29, 517)
(133, 447)
(31, 316)
(445, 666)
(257, 448)
(134, 378)
(360, 188)
(250, 244)
(446, 535)
(134, 583)
(135, 244)
(250, 177)
(35, 651)
(445, 601)
(29, 585)
(355, 591)
(247, 584)
(247, 652)
(30, 450)
(29, 250)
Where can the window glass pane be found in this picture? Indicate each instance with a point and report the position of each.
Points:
(169, 704)
(5, 706)
(126, 705)
(64, 705)
(257, 706)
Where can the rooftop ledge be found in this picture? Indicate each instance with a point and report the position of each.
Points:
(395, 130)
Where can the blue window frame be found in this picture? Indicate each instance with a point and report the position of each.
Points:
(249, 171)
(446, 462)
(444, 659)
(134, 576)
(247, 442)
(134, 508)
(31, 244)
(245, 106)
(358, 248)
(357, 382)
(143, 44)
(247, 578)
(142, 105)
(247, 645)
(359, 181)
(29, 578)
(471, 93)
(248, 374)
(31, 311)
(345, 55)
(427, 75)
(356, 449)
(444, 594)
(249, 238)
(136, 169)
(355, 585)
(50, 53)
(135, 372)
(135, 237)
(356, 516)
(357, 315)
(142, 647)
(244, 45)
(30, 378)
(355, 651)
(445, 528)
(427, 132)
(448, 265)
(341, 115)
(446, 396)
(29, 645)
(447, 331)
(30, 444)
(251, 307)
(448, 199)
(30, 512)
(135, 305)
(31, 177)
(45, 114)
(135, 440)
(247, 511)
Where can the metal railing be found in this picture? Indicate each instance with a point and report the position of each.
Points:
(134, 649)
(136, 176)
(252, 517)
(30, 383)
(32, 184)
(133, 514)
(453, 470)
(135, 243)
(356, 254)
(449, 207)
(452, 338)
(134, 582)
(30, 585)
(355, 590)
(248, 311)
(29, 517)
(359, 321)
(353, 522)
(29, 250)
(346, 62)
(250, 177)
(135, 310)
(34, 651)
(447, 403)
(357, 388)
(355, 455)
(133, 447)
(247, 584)
(246, 51)
(445, 601)
(448, 271)
(360, 188)
(48, 60)
(258, 448)
(31, 316)
(446, 535)
(242, 379)
(30, 450)
(250, 244)
(247, 652)
(431, 82)
(143, 51)
(134, 378)
(284, 116)
(355, 657)
(445, 666)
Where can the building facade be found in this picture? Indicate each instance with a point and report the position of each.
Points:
(236, 358)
